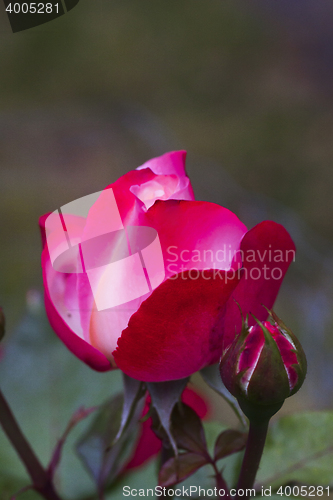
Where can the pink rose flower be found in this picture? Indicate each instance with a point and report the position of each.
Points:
(197, 260)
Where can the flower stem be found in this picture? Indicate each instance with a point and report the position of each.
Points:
(42, 482)
(253, 452)
(220, 482)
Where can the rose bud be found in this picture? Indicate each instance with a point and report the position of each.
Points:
(263, 366)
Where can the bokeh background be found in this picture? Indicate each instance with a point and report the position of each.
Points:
(245, 87)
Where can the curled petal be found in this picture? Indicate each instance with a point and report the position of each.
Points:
(267, 250)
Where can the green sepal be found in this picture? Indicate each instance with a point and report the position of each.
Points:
(270, 378)
(301, 367)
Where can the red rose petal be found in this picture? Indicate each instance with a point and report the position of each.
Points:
(177, 330)
(267, 241)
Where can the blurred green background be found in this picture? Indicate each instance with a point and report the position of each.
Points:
(244, 87)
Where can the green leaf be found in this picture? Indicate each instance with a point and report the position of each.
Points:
(211, 376)
(176, 469)
(134, 390)
(231, 463)
(102, 461)
(164, 396)
(204, 476)
(299, 448)
(186, 428)
(228, 442)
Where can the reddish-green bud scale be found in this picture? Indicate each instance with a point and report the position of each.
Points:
(263, 366)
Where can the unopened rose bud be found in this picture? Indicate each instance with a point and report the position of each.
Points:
(263, 366)
(2, 324)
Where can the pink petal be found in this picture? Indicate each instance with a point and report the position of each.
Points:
(163, 187)
(41, 223)
(196, 235)
(253, 346)
(197, 402)
(106, 326)
(172, 163)
(55, 286)
(167, 164)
